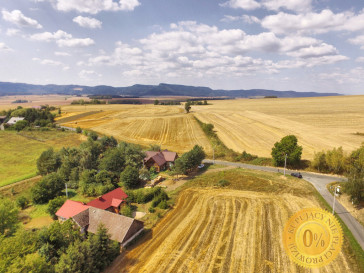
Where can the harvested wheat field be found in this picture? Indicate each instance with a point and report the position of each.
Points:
(254, 125)
(167, 126)
(227, 230)
(6, 102)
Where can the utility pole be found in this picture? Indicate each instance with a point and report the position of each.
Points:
(66, 190)
(285, 163)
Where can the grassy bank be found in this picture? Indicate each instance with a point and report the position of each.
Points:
(221, 151)
(20, 151)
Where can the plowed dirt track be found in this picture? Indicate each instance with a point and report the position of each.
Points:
(214, 230)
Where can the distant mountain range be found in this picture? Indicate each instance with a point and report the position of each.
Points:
(7, 88)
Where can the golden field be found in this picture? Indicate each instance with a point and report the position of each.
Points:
(253, 125)
(146, 124)
(234, 229)
(36, 100)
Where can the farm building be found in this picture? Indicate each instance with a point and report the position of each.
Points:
(69, 209)
(14, 120)
(161, 160)
(110, 201)
(121, 228)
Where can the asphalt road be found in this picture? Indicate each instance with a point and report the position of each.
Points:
(319, 181)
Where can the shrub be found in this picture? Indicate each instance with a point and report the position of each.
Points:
(163, 205)
(78, 130)
(126, 211)
(151, 210)
(48, 188)
(162, 196)
(223, 183)
(55, 204)
(20, 125)
(130, 177)
(22, 202)
(142, 196)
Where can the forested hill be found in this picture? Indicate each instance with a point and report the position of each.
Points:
(7, 88)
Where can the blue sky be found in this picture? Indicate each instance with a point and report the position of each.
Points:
(302, 45)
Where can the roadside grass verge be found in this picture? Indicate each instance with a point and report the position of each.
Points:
(353, 249)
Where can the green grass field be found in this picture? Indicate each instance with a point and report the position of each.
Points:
(20, 151)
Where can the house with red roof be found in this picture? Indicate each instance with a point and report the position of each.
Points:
(70, 208)
(161, 160)
(110, 201)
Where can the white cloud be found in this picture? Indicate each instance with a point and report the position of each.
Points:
(63, 39)
(246, 18)
(87, 22)
(18, 18)
(314, 51)
(242, 4)
(12, 31)
(48, 36)
(88, 74)
(47, 62)
(311, 22)
(95, 6)
(4, 47)
(192, 49)
(60, 53)
(359, 40)
(75, 42)
(295, 5)
(354, 75)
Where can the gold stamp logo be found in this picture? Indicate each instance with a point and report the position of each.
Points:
(312, 237)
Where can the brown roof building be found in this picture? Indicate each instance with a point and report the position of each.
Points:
(160, 160)
(121, 228)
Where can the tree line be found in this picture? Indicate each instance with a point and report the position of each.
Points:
(42, 117)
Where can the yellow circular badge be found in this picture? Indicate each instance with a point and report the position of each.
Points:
(312, 237)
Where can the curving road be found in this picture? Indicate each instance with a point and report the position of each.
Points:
(319, 181)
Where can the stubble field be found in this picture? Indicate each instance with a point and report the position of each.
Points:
(253, 125)
(167, 126)
(235, 229)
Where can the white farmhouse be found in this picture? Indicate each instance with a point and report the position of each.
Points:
(14, 120)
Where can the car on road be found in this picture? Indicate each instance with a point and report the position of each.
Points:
(298, 175)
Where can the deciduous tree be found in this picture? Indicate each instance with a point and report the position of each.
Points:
(287, 146)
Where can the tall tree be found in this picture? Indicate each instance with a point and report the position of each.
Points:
(188, 106)
(287, 146)
(355, 185)
(48, 188)
(130, 177)
(8, 217)
(48, 162)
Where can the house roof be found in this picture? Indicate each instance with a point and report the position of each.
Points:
(169, 156)
(71, 208)
(120, 227)
(14, 120)
(110, 199)
(2, 117)
(160, 157)
(82, 219)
